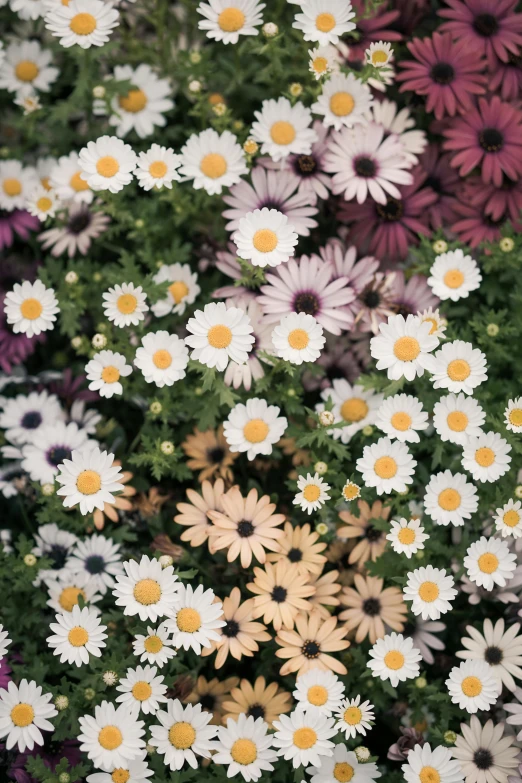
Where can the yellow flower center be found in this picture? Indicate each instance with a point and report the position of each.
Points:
(457, 421)
(343, 772)
(78, 636)
(385, 467)
(459, 370)
(107, 166)
(213, 165)
(311, 493)
(406, 535)
(320, 64)
(31, 309)
(471, 686)
(282, 133)
(147, 592)
(488, 563)
(178, 290)
(12, 187)
(255, 430)
(120, 775)
(305, 738)
(182, 735)
(298, 339)
(83, 24)
(153, 644)
(110, 737)
(342, 104)
(401, 421)
(515, 417)
(352, 716)
(265, 240)
(69, 597)
(88, 482)
(429, 592)
(511, 518)
(126, 304)
(379, 57)
(45, 183)
(110, 374)
(188, 620)
(406, 349)
(317, 695)
(44, 203)
(219, 336)
(325, 22)
(244, 751)
(77, 183)
(394, 660)
(453, 278)
(350, 491)
(215, 98)
(162, 359)
(141, 690)
(133, 102)
(26, 71)
(22, 715)
(158, 169)
(449, 499)
(433, 322)
(231, 20)
(485, 457)
(354, 409)
(429, 775)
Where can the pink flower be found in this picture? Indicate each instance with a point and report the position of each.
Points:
(16, 223)
(344, 263)
(496, 202)
(506, 79)
(444, 181)
(475, 226)
(412, 296)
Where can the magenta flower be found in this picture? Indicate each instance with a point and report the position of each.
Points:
(506, 79)
(475, 226)
(491, 27)
(413, 296)
(444, 181)
(344, 263)
(490, 136)
(69, 388)
(411, 13)
(227, 263)
(505, 200)
(16, 223)
(448, 73)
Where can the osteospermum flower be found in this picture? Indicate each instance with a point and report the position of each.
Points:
(226, 20)
(265, 238)
(112, 737)
(313, 492)
(157, 168)
(407, 536)
(309, 645)
(104, 371)
(240, 635)
(162, 358)
(401, 416)
(457, 418)
(125, 305)
(31, 308)
(26, 68)
(99, 558)
(219, 334)
(473, 686)
(107, 163)
(258, 700)
(424, 764)
(183, 732)
(484, 753)
(431, 592)
(77, 635)
(371, 609)
(344, 101)
(23, 416)
(354, 717)
(254, 428)
(283, 129)
(508, 519)
(341, 765)
(245, 748)
(182, 290)
(298, 338)
(304, 736)
(489, 562)
(84, 23)
(387, 465)
(458, 367)
(450, 499)
(49, 447)
(142, 108)
(500, 648)
(24, 714)
(300, 546)
(75, 236)
(513, 415)
(454, 275)
(213, 161)
(89, 479)
(403, 346)
(394, 658)
(146, 589)
(155, 647)
(141, 690)
(486, 457)
(324, 21)
(194, 515)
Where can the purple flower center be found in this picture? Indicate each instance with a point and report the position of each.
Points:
(372, 534)
(434, 183)
(95, 564)
(230, 629)
(442, 73)
(306, 302)
(371, 607)
(371, 298)
(256, 711)
(57, 454)
(215, 456)
(272, 204)
(79, 221)
(58, 555)
(310, 649)
(31, 420)
(482, 758)
(485, 25)
(295, 555)
(491, 139)
(365, 167)
(279, 594)
(392, 211)
(245, 529)
(493, 655)
(305, 165)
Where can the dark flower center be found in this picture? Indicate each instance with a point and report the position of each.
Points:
(392, 211)
(207, 701)
(95, 564)
(306, 302)
(295, 555)
(372, 534)
(305, 165)
(230, 629)
(365, 167)
(434, 183)
(493, 655)
(482, 758)
(215, 456)
(271, 204)
(310, 649)
(31, 420)
(79, 221)
(279, 594)
(256, 711)
(485, 25)
(58, 555)
(371, 298)
(491, 139)
(245, 529)
(442, 73)
(57, 454)
(371, 607)
(514, 59)
(404, 310)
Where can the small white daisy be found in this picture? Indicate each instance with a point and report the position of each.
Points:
(265, 237)
(24, 714)
(454, 275)
(508, 519)
(213, 161)
(83, 22)
(387, 465)
(88, 479)
(142, 108)
(407, 536)
(513, 415)
(125, 304)
(458, 417)
(183, 732)
(219, 334)
(313, 492)
(486, 457)
(24, 415)
(245, 747)
(401, 416)
(157, 167)
(473, 686)
(194, 619)
(226, 20)
(457, 366)
(343, 765)
(182, 290)
(489, 562)
(434, 318)
(162, 358)
(283, 129)
(42, 203)
(320, 689)
(137, 770)
(26, 68)
(65, 590)
(304, 736)
(5, 641)
(425, 765)
(77, 635)
(394, 658)
(146, 589)
(30, 308)
(324, 21)
(67, 180)
(353, 407)
(16, 184)
(254, 428)
(141, 690)
(431, 592)
(403, 347)
(99, 558)
(107, 163)
(344, 101)
(298, 338)
(354, 717)
(379, 54)
(112, 737)
(323, 61)
(104, 371)
(450, 498)
(155, 647)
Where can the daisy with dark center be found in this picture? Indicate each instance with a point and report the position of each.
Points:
(309, 645)
(281, 593)
(499, 647)
(473, 224)
(373, 540)
(443, 181)
(209, 453)
(506, 79)
(326, 589)
(76, 234)
(211, 695)
(371, 609)
(376, 302)
(50, 447)
(194, 515)
(484, 754)
(258, 701)
(498, 202)
(98, 557)
(299, 545)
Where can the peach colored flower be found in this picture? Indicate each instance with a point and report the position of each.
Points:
(373, 541)
(309, 645)
(281, 593)
(371, 608)
(326, 589)
(240, 635)
(298, 545)
(194, 515)
(259, 700)
(211, 694)
(120, 503)
(209, 453)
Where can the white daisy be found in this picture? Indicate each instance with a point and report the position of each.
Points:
(42, 203)
(49, 447)
(219, 334)
(183, 733)
(344, 101)
(5, 641)
(27, 9)
(304, 736)
(402, 347)
(401, 416)
(141, 690)
(508, 519)
(195, 618)
(83, 22)
(213, 161)
(454, 275)
(125, 304)
(88, 479)
(403, 124)
(66, 179)
(142, 108)
(265, 237)
(431, 592)
(387, 465)
(353, 406)
(254, 428)
(320, 689)
(16, 184)
(486, 457)
(162, 358)
(354, 717)
(24, 415)
(489, 562)
(298, 338)
(26, 68)
(99, 558)
(313, 492)
(425, 765)
(283, 129)
(394, 658)
(155, 647)
(77, 635)
(107, 163)
(323, 60)
(457, 366)
(458, 417)
(437, 322)
(56, 545)
(137, 771)
(157, 167)
(226, 20)
(473, 686)
(379, 54)
(407, 536)
(244, 747)
(24, 714)
(104, 371)
(31, 308)
(324, 21)
(450, 498)
(112, 737)
(146, 589)
(182, 290)
(65, 590)
(343, 765)
(513, 415)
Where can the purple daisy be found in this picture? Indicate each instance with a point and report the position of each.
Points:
(344, 263)
(227, 263)
(274, 190)
(449, 74)
(505, 200)
(411, 13)
(16, 223)
(444, 181)
(506, 79)
(69, 388)
(490, 136)
(412, 296)
(75, 236)
(474, 226)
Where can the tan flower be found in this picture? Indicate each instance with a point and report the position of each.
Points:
(150, 505)
(194, 515)
(373, 541)
(338, 553)
(211, 694)
(120, 503)
(307, 646)
(299, 546)
(326, 588)
(164, 544)
(246, 527)
(281, 593)
(371, 607)
(209, 453)
(259, 701)
(240, 635)
(289, 449)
